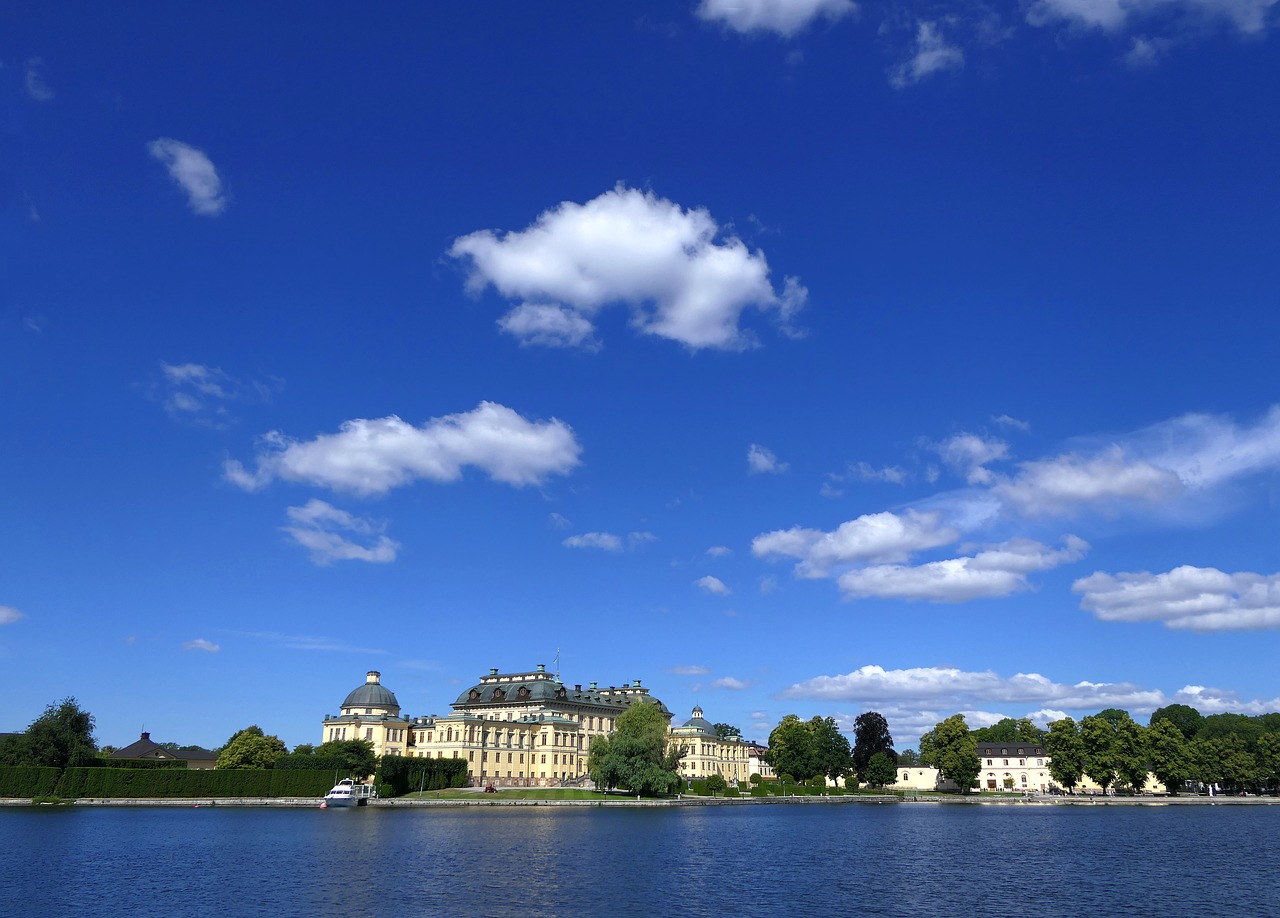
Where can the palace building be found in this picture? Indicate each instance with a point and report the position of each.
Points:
(524, 729)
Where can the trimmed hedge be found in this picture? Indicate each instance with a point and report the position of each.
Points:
(404, 775)
(304, 762)
(295, 782)
(142, 763)
(163, 782)
(27, 780)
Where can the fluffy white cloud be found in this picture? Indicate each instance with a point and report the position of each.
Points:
(1249, 16)
(997, 571)
(549, 325)
(34, 82)
(730, 683)
(201, 644)
(1189, 598)
(885, 537)
(1064, 484)
(719, 551)
(711, 584)
(930, 54)
(9, 615)
(633, 248)
(785, 17)
(194, 172)
(950, 689)
(605, 540)
(330, 535)
(373, 456)
(762, 461)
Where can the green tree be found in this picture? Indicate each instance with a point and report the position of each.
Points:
(1009, 730)
(251, 748)
(927, 755)
(1269, 759)
(1098, 735)
(954, 752)
(831, 747)
(61, 737)
(356, 754)
(1066, 752)
(908, 757)
(1237, 765)
(882, 770)
(304, 749)
(717, 784)
(1132, 758)
(1185, 718)
(724, 731)
(791, 748)
(871, 737)
(638, 755)
(1170, 753)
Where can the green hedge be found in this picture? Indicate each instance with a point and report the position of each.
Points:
(163, 782)
(404, 775)
(304, 762)
(27, 781)
(294, 782)
(142, 763)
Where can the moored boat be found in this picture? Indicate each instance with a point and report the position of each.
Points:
(348, 793)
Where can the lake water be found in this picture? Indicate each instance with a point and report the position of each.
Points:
(844, 859)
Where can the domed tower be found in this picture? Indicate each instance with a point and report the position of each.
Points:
(372, 698)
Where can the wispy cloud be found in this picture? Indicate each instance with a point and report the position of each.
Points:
(368, 457)
(9, 615)
(730, 683)
(330, 535)
(689, 670)
(202, 395)
(194, 173)
(671, 266)
(762, 461)
(782, 17)
(930, 54)
(307, 642)
(201, 644)
(34, 82)
(719, 551)
(608, 541)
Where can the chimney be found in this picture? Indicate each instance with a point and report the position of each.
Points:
(146, 736)
(542, 667)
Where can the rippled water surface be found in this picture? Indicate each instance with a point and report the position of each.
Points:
(844, 859)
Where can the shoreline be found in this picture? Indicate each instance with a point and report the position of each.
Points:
(402, 802)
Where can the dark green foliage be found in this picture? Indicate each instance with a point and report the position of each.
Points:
(356, 754)
(1066, 752)
(724, 731)
(303, 762)
(698, 788)
(294, 782)
(1009, 730)
(27, 780)
(638, 755)
(954, 752)
(815, 746)
(717, 784)
(1186, 718)
(871, 738)
(908, 757)
(404, 775)
(163, 782)
(882, 770)
(137, 763)
(61, 736)
(250, 748)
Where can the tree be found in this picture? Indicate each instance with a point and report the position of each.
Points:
(927, 756)
(791, 748)
(831, 747)
(717, 784)
(954, 752)
(724, 731)
(61, 737)
(1269, 759)
(1238, 767)
(1170, 754)
(638, 755)
(251, 748)
(881, 770)
(1066, 752)
(1185, 718)
(356, 755)
(871, 737)
(1098, 736)
(1132, 758)
(304, 749)
(908, 757)
(1009, 730)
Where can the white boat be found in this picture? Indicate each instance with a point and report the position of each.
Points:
(348, 793)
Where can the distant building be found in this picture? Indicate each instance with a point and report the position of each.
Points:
(1013, 766)
(522, 729)
(196, 758)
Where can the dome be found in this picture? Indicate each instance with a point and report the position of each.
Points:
(373, 694)
(699, 723)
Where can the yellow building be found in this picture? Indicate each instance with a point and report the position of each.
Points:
(524, 729)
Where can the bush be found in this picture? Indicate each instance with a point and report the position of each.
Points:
(27, 780)
(403, 775)
(305, 762)
(698, 787)
(141, 763)
(295, 782)
(755, 777)
(163, 782)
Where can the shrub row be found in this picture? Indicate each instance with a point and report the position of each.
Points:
(404, 775)
(168, 782)
(27, 780)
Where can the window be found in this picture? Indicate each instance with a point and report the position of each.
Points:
(988, 761)
(368, 732)
(1006, 761)
(544, 758)
(471, 756)
(1039, 763)
(1022, 761)
(544, 739)
(508, 762)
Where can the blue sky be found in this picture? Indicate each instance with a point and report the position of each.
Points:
(800, 356)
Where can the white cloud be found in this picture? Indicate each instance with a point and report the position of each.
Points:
(330, 535)
(373, 456)
(9, 615)
(309, 642)
(201, 644)
(890, 474)
(605, 540)
(931, 54)
(34, 82)
(711, 584)
(1063, 484)
(886, 537)
(1186, 598)
(768, 585)
(626, 247)
(785, 17)
(194, 172)
(549, 325)
(1005, 420)
(558, 521)
(730, 683)
(969, 454)
(689, 670)
(997, 571)
(762, 461)
(1248, 16)
(719, 551)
